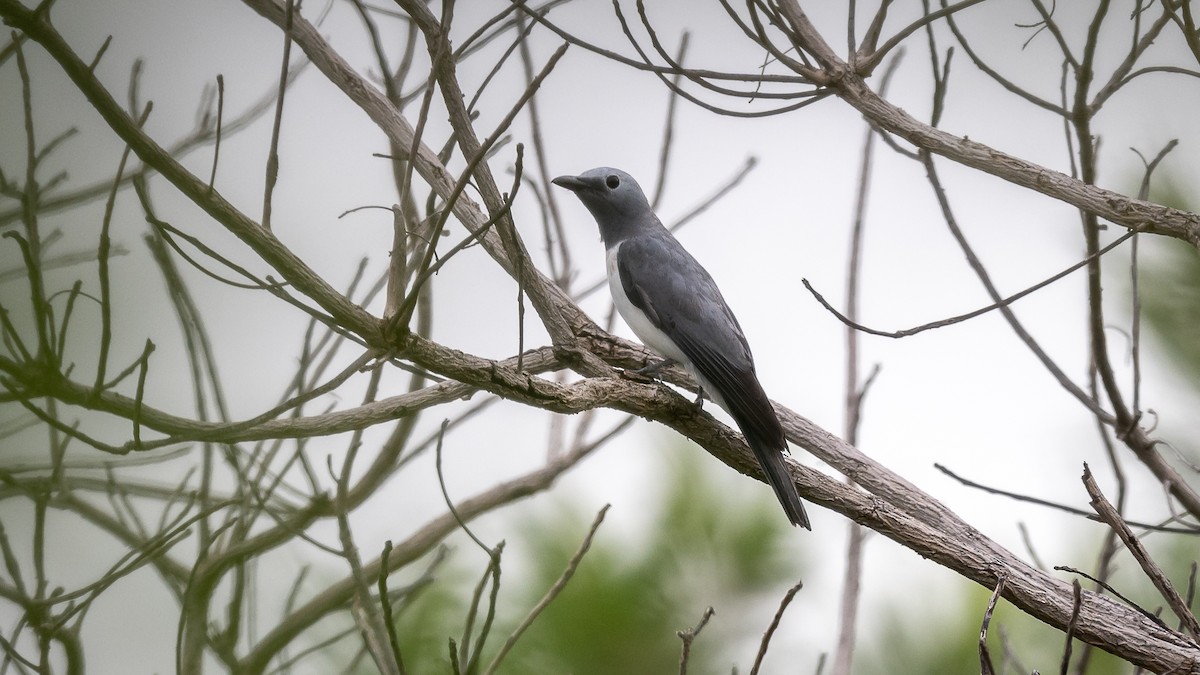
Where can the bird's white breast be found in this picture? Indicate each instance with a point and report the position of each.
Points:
(641, 324)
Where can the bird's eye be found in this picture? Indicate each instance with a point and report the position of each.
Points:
(612, 182)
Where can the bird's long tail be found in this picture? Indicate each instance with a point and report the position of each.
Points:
(770, 458)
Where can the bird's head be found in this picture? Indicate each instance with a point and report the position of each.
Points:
(614, 198)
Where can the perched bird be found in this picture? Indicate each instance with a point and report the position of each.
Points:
(674, 306)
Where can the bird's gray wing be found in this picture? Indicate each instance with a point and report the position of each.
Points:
(681, 298)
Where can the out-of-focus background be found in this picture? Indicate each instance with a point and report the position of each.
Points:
(684, 532)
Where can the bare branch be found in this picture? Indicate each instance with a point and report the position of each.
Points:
(985, 657)
(689, 636)
(550, 595)
(1106, 511)
(765, 643)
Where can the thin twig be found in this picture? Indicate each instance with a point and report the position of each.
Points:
(277, 123)
(668, 135)
(102, 257)
(1076, 603)
(941, 323)
(1135, 319)
(1115, 593)
(212, 176)
(855, 393)
(985, 658)
(689, 636)
(551, 594)
(766, 638)
(1185, 529)
(1109, 514)
(1028, 541)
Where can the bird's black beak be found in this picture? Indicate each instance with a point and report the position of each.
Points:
(572, 183)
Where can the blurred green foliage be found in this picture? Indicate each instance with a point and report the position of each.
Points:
(627, 600)
(629, 597)
(621, 611)
(1169, 276)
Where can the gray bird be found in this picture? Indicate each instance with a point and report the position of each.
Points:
(674, 306)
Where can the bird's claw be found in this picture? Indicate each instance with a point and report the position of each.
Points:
(648, 372)
(636, 376)
(653, 368)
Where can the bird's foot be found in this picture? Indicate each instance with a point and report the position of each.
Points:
(653, 368)
(700, 398)
(647, 373)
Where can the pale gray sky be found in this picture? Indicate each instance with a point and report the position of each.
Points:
(970, 396)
